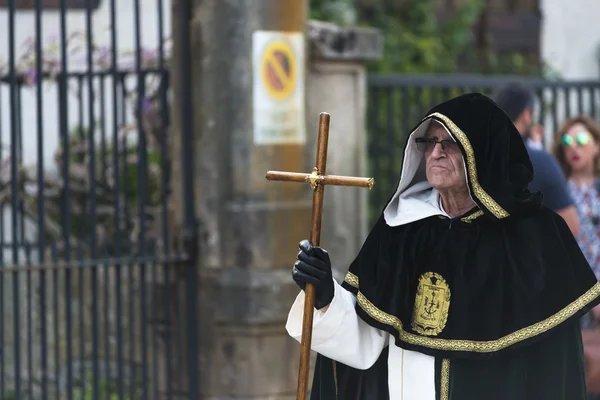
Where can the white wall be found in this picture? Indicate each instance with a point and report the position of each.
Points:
(571, 37)
(570, 43)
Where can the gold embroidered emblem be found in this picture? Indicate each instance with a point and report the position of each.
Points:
(432, 301)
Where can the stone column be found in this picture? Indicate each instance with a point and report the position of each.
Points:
(250, 226)
(337, 83)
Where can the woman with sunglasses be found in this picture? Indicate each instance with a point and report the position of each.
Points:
(577, 149)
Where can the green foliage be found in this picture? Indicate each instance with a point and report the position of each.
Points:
(414, 40)
(10, 395)
(341, 12)
(416, 43)
(106, 390)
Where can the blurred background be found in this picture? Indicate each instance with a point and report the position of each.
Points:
(143, 253)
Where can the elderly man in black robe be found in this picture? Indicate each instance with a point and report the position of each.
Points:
(466, 288)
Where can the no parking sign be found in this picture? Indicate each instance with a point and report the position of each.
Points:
(278, 87)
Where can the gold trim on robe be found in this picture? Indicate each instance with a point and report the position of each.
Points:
(445, 380)
(472, 345)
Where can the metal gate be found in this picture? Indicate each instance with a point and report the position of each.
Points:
(97, 290)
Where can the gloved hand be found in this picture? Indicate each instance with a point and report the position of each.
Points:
(313, 266)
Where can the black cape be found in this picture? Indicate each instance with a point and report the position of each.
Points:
(507, 279)
(551, 369)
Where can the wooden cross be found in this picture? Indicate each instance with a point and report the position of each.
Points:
(317, 180)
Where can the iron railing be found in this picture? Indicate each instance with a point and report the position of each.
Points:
(97, 299)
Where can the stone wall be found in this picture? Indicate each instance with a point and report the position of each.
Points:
(337, 85)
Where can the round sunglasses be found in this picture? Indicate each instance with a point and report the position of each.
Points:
(580, 139)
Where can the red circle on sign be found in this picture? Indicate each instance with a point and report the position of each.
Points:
(284, 65)
(278, 70)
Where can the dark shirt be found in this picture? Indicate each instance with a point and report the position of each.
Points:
(549, 179)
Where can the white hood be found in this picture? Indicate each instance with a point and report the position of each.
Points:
(414, 199)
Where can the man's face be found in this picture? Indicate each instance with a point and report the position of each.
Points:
(444, 167)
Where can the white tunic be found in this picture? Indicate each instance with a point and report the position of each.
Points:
(341, 335)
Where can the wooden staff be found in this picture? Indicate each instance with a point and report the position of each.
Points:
(317, 180)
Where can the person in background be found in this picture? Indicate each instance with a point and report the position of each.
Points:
(576, 147)
(517, 102)
(535, 138)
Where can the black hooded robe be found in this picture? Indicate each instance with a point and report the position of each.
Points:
(549, 370)
(508, 279)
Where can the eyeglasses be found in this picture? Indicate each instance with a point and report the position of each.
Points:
(581, 139)
(427, 144)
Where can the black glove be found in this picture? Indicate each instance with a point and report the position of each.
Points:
(313, 266)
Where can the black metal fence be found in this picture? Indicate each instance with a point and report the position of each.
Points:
(397, 102)
(97, 297)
